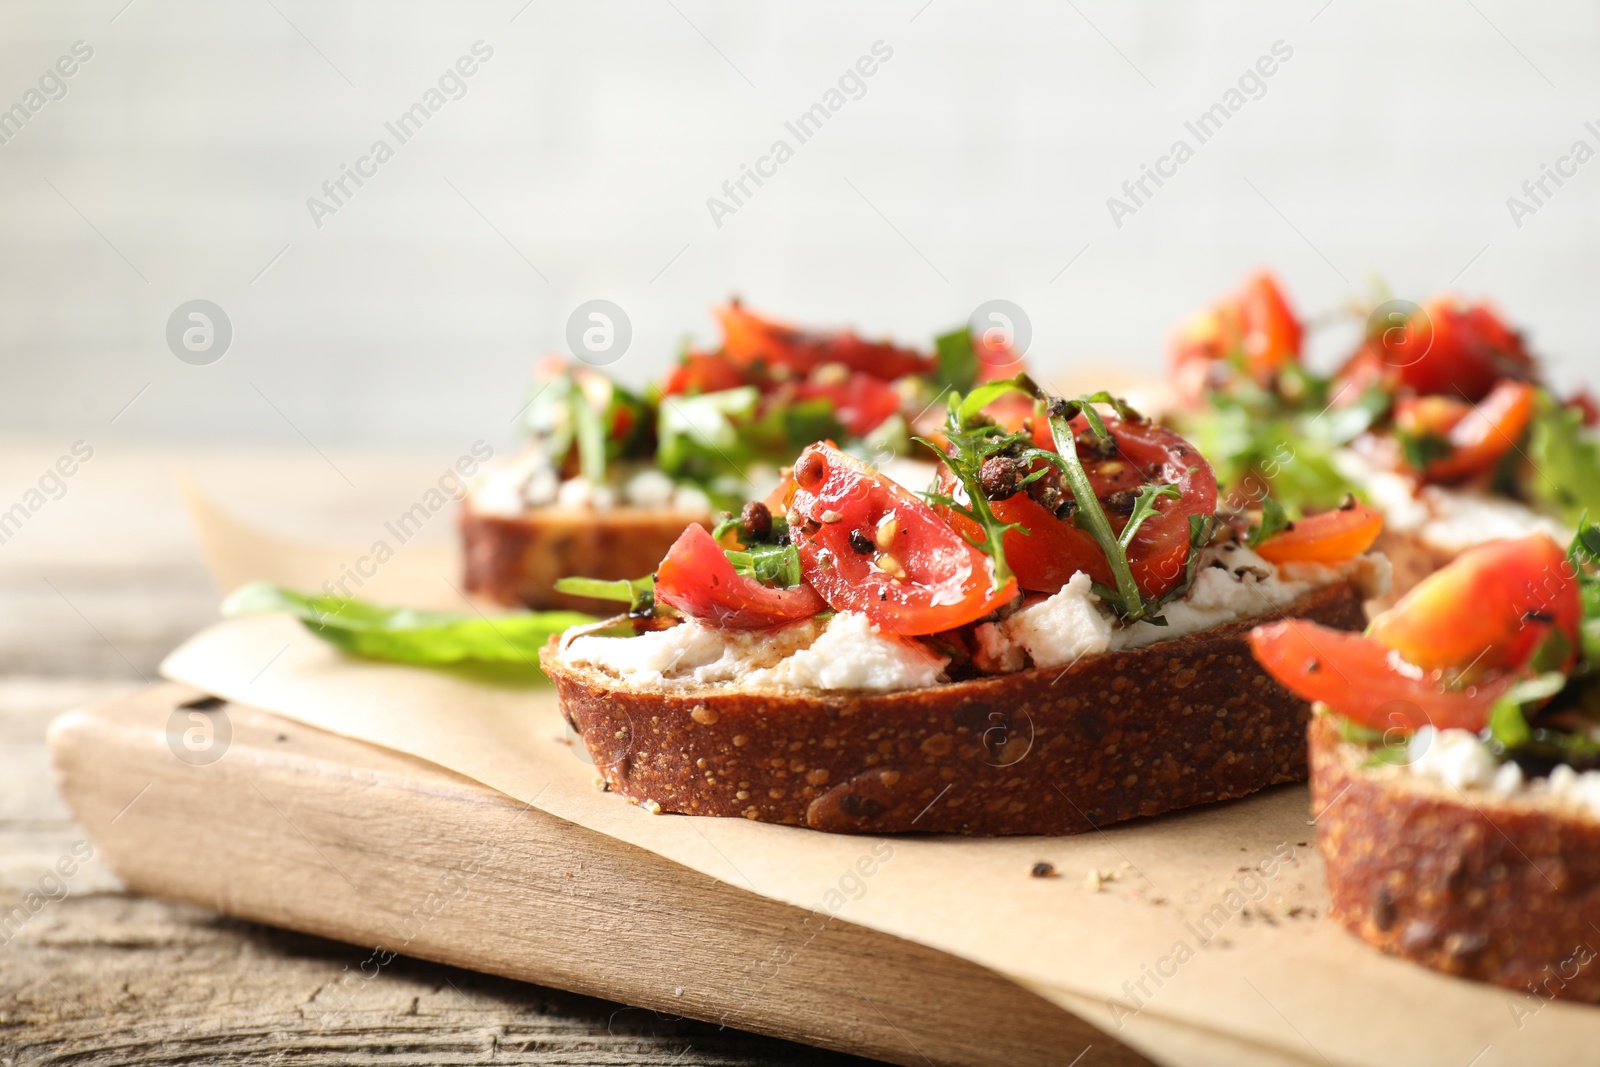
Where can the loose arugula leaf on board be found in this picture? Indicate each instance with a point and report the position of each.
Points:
(408, 635)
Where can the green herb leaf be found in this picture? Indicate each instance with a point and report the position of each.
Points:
(957, 359)
(637, 593)
(407, 635)
(967, 408)
(768, 564)
(1144, 506)
(1090, 514)
(1508, 723)
(1421, 450)
(1563, 472)
(1274, 519)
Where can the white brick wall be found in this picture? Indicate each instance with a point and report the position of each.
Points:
(594, 135)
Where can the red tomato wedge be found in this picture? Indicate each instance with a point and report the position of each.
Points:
(697, 579)
(861, 402)
(1053, 549)
(1480, 434)
(1330, 537)
(868, 545)
(1365, 681)
(749, 340)
(1489, 610)
(1453, 348)
(1256, 323)
(701, 372)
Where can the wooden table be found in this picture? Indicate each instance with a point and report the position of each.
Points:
(97, 586)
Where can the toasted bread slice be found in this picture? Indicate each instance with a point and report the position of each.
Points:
(517, 559)
(1500, 888)
(1045, 751)
(1413, 559)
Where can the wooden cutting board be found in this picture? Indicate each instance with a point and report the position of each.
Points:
(302, 829)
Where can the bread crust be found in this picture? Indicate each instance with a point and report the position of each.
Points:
(1500, 889)
(1412, 558)
(1044, 751)
(515, 560)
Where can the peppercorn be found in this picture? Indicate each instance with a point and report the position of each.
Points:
(756, 520)
(998, 477)
(1092, 444)
(1121, 500)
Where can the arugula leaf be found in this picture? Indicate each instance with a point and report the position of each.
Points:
(1564, 458)
(407, 635)
(1090, 515)
(1144, 506)
(957, 359)
(768, 564)
(637, 593)
(603, 420)
(971, 442)
(1274, 519)
(1421, 450)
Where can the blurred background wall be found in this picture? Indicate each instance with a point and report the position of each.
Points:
(576, 161)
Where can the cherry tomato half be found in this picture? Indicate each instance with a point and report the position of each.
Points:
(1489, 610)
(1465, 348)
(868, 545)
(1362, 680)
(703, 372)
(749, 340)
(1330, 537)
(1256, 323)
(697, 579)
(1053, 550)
(861, 402)
(1480, 434)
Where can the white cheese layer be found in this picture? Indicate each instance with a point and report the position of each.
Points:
(1232, 583)
(1452, 520)
(528, 481)
(847, 652)
(1460, 759)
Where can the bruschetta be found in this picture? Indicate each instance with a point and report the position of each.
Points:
(1049, 638)
(1439, 418)
(610, 476)
(1455, 766)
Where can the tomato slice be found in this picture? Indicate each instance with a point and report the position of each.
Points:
(697, 579)
(703, 372)
(1256, 322)
(1053, 550)
(868, 545)
(1490, 609)
(1366, 681)
(1453, 348)
(1330, 537)
(749, 340)
(1480, 434)
(861, 402)
(1272, 332)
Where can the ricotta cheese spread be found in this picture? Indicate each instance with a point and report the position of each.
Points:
(1452, 520)
(528, 481)
(1231, 583)
(1459, 758)
(846, 652)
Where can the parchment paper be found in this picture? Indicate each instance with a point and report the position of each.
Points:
(1202, 938)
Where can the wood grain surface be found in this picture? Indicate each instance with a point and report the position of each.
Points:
(319, 833)
(97, 588)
